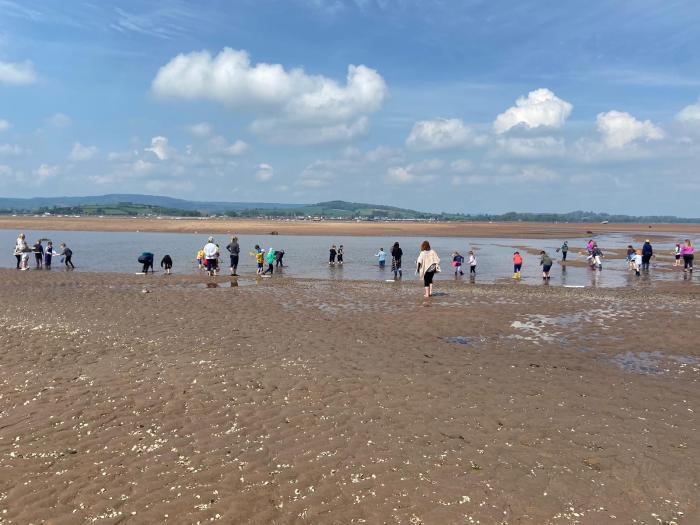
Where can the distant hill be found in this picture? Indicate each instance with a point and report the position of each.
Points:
(135, 204)
(33, 204)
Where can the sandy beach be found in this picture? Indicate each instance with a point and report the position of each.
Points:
(295, 401)
(263, 227)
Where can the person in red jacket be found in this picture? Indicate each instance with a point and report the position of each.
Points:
(517, 265)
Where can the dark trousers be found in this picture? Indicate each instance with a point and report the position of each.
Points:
(688, 261)
(69, 262)
(19, 259)
(563, 256)
(472, 269)
(645, 261)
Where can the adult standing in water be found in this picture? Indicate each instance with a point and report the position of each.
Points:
(396, 255)
(38, 254)
(427, 265)
(211, 252)
(688, 253)
(234, 250)
(647, 254)
(20, 248)
(546, 263)
(67, 255)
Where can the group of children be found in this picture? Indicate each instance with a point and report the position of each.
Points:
(458, 261)
(43, 257)
(335, 255)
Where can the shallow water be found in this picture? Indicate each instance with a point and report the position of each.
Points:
(307, 256)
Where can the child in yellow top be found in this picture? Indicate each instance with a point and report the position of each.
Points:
(259, 258)
(200, 259)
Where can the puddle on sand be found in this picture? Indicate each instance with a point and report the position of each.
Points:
(464, 340)
(654, 363)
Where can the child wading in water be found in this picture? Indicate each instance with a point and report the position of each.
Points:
(270, 260)
(472, 263)
(340, 255)
(200, 259)
(381, 255)
(167, 264)
(259, 259)
(546, 262)
(517, 265)
(677, 253)
(457, 261)
(48, 255)
(637, 262)
(67, 253)
(332, 255)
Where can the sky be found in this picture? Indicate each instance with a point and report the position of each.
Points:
(465, 106)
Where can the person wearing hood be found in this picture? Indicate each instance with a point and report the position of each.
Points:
(211, 253)
(396, 255)
(270, 260)
(146, 258)
(647, 254)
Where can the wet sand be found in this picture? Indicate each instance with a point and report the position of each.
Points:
(656, 232)
(292, 401)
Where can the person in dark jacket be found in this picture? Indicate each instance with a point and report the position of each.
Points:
(38, 254)
(167, 264)
(234, 250)
(279, 255)
(396, 255)
(647, 254)
(67, 255)
(146, 258)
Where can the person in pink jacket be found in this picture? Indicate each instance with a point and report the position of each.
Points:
(688, 254)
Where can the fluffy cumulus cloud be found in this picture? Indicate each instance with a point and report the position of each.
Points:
(80, 153)
(690, 114)
(17, 74)
(264, 172)
(221, 146)
(159, 147)
(46, 171)
(540, 108)
(440, 134)
(419, 172)
(618, 129)
(281, 96)
(4, 125)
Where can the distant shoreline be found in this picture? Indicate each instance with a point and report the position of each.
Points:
(347, 228)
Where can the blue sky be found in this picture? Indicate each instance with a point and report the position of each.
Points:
(472, 106)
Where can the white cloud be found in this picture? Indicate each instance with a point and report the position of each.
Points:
(279, 131)
(619, 129)
(81, 153)
(17, 74)
(4, 125)
(59, 120)
(142, 167)
(5, 170)
(10, 149)
(293, 96)
(159, 147)
(45, 171)
(202, 129)
(264, 172)
(419, 172)
(530, 148)
(540, 108)
(221, 145)
(461, 166)
(230, 78)
(440, 134)
(690, 114)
